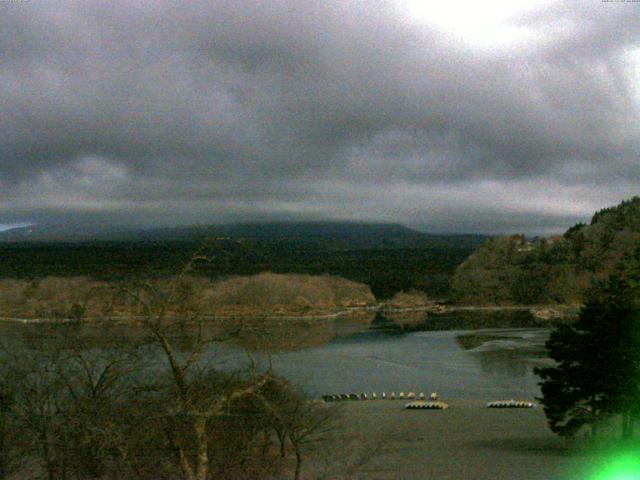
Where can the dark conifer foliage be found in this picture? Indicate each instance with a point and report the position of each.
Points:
(598, 359)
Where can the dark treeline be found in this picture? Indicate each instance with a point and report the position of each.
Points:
(386, 271)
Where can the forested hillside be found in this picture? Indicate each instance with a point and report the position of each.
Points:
(514, 270)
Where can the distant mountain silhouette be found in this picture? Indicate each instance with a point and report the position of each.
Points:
(325, 235)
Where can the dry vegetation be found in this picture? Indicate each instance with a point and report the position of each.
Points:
(265, 293)
(410, 299)
(291, 292)
(52, 297)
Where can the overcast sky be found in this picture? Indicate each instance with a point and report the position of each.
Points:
(466, 116)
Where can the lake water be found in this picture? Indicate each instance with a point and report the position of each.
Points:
(501, 366)
(373, 354)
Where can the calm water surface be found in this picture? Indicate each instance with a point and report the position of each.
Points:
(500, 366)
(365, 355)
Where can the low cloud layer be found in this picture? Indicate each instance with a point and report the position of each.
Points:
(163, 113)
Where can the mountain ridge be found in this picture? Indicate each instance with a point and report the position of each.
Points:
(333, 234)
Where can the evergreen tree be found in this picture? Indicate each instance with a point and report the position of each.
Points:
(597, 371)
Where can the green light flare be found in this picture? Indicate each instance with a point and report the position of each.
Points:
(619, 466)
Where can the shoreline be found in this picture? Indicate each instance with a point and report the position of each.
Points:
(206, 318)
(540, 312)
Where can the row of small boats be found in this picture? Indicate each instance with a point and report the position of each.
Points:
(424, 405)
(374, 396)
(421, 402)
(511, 404)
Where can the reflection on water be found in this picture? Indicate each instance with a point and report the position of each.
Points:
(483, 319)
(254, 334)
(509, 352)
(504, 362)
(470, 341)
(290, 335)
(402, 321)
(360, 352)
(422, 320)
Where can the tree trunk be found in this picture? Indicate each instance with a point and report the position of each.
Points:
(282, 438)
(298, 465)
(200, 428)
(187, 471)
(183, 461)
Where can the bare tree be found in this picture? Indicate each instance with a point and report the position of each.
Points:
(196, 404)
(37, 410)
(160, 410)
(308, 423)
(65, 401)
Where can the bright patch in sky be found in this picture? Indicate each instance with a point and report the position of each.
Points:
(488, 23)
(632, 63)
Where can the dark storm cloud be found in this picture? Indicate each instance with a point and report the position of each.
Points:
(228, 110)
